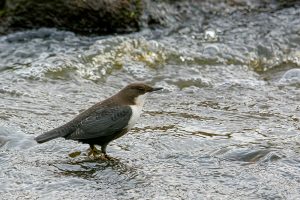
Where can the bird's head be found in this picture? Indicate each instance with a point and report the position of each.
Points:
(136, 92)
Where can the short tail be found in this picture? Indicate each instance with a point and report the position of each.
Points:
(50, 135)
(45, 137)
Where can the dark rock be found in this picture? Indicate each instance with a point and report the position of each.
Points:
(80, 16)
(123, 16)
(168, 13)
(2, 4)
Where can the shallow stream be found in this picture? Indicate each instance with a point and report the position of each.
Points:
(226, 125)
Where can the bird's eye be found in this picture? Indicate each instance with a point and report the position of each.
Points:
(140, 89)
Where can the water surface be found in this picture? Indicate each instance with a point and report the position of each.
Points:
(226, 126)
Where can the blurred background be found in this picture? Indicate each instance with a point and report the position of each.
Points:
(226, 125)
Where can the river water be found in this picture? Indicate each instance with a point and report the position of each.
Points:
(226, 125)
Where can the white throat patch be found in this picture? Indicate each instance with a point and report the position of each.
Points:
(140, 100)
(136, 110)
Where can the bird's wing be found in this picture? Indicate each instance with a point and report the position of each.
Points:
(103, 122)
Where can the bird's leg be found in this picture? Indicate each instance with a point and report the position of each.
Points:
(103, 149)
(93, 150)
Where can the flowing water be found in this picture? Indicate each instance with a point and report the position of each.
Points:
(226, 125)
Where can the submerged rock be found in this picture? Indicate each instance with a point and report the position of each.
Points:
(291, 77)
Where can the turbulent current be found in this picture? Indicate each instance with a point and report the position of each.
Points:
(226, 125)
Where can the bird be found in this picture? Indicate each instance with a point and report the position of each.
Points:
(105, 121)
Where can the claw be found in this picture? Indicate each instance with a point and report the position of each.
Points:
(107, 157)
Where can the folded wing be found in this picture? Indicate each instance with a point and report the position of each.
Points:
(103, 122)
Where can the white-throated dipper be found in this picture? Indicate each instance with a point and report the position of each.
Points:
(104, 121)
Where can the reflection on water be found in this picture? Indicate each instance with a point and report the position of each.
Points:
(88, 168)
(225, 127)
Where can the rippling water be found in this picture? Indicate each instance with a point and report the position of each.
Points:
(225, 127)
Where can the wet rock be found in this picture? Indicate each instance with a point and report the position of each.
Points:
(81, 16)
(121, 16)
(291, 77)
(174, 13)
(2, 4)
(249, 155)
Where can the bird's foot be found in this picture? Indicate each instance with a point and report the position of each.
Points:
(99, 154)
(107, 157)
(95, 152)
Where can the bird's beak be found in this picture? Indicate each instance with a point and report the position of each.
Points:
(156, 89)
